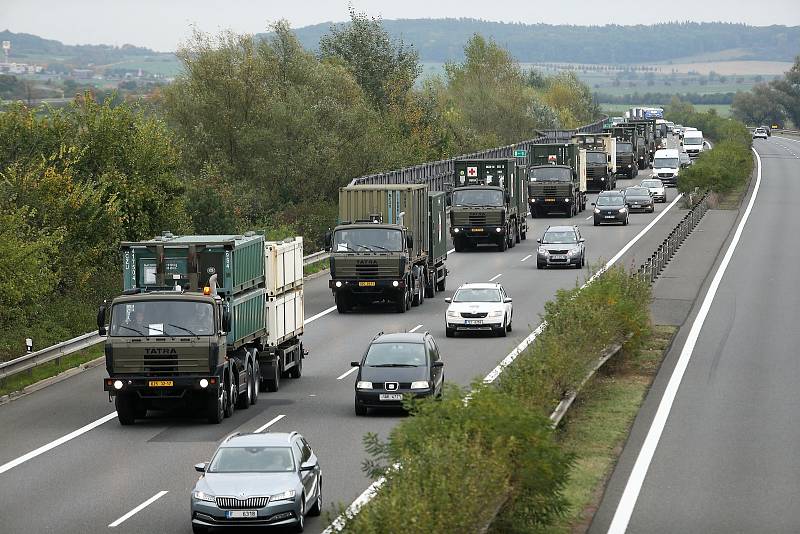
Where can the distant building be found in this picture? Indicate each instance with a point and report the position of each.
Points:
(82, 74)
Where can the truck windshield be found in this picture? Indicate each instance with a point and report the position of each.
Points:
(665, 163)
(596, 157)
(692, 140)
(624, 147)
(550, 174)
(162, 318)
(478, 197)
(368, 239)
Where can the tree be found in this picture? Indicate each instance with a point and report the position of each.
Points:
(787, 92)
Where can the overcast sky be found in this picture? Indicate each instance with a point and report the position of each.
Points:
(162, 24)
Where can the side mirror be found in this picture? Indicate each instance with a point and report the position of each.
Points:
(328, 241)
(593, 203)
(539, 241)
(437, 364)
(101, 320)
(307, 466)
(201, 467)
(581, 240)
(507, 300)
(409, 241)
(226, 321)
(355, 364)
(448, 300)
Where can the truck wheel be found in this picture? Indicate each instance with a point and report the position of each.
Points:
(512, 236)
(458, 244)
(430, 286)
(243, 401)
(523, 235)
(400, 303)
(230, 401)
(273, 382)
(126, 409)
(215, 407)
(256, 377)
(342, 302)
(502, 245)
(297, 370)
(517, 237)
(442, 284)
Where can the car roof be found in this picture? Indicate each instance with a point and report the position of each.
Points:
(666, 152)
(609, 193)
(562, 228)
(480, 285)
(402, 337)
(267, 439)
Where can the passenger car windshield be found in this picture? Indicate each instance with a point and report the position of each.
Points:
(477, 295)
(550, 174)
(668, 163)
(368, 239)
(609, 200)
(162, 318)
(596, 157)
(477, 197)
(692, 140)
(624, 147)
(252, 460)
(560, 237)
(637, 192)
(395, 354)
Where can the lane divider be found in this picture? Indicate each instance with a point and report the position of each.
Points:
(415, 328)
(347, 373)
(526, 257)
(622, 516)
(492, 279)
(138, 509)
(269, 423)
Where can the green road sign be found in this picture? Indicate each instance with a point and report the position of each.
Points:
(520, 153)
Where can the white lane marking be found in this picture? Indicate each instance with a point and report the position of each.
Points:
(53, 444)
(269, 423)
(451, 251)
(505, 362)
(370, 492)
(347, 373)
(622, 516)
(138, 509)
(589, 217)
(492, 279)
(320, 314)
(415, 328)
(526, 257)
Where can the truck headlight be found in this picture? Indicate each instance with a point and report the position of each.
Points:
(363, 385)
(117, 384)
(566, 200)
(498, 230)
(533, 200)
(629, 165)
(455, 230)
(395, 283)
(420, 384)
(338, 283)
(203, 496)
(287, 495)
(203, 383)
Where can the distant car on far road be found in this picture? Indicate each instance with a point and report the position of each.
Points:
(760, 133)
(656, 188)
(684, 158)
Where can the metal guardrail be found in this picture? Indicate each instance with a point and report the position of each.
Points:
(84, 341)
(653, 266)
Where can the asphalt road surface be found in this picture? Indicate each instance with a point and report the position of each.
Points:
(728, 457)
(96, 478)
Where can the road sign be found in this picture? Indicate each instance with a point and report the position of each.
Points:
(520, 153)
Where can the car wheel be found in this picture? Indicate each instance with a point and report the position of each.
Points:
(199, 529)
(539, 265)
(508, 326)
(596, 223)
(360, 408)
(625, 222)
(583, 260)
(316, 508)
(501, 332)
(300, 526)
(449, 332)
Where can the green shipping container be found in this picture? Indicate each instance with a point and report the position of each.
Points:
(248, 316)
(361, 202)
(496, 172)
(553, 154)
(437, 227)
(163, 262)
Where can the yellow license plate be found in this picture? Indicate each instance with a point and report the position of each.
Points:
(160, 383)
(549, 200)
(366, 284)
(476, 229)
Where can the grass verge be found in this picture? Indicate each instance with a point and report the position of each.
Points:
(41, 372)
(597, 426)
(316, 267)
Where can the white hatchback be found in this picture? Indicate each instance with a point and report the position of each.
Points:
(656, 188)
(479, 307)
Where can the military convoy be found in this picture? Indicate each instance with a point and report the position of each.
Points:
(390, 246)
(556, 179)
(488, 204)
(204, 322)
(601, 159)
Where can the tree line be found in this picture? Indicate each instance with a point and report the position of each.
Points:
(255, 135)
(771, 103)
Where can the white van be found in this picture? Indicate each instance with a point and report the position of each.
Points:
(666, 166)
(693, 142)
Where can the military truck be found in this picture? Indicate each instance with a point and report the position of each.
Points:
(601, 159)
(203, 322)
(390, 246)
(628, 149)
(647, 132)
(488, 204)
(556, 179)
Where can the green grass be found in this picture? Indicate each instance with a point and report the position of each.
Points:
(598, 424)
(41, 372)
(316, 267)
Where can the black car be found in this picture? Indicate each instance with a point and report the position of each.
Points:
(395, 365)
(639, 198)
(610, 208)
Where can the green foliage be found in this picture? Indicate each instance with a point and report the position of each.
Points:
(771, 103)
(572, 100)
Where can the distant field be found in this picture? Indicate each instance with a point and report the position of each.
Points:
(724, 110)
(771, 68)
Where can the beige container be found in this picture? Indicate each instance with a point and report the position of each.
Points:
(284, 260)
(284, 316)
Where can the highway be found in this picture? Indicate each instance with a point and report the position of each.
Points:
(716, 447)
(102, 473)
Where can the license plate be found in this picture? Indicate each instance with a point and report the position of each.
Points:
(241, 514)
(476, 229)
(635, 206)
(549, 200)
(160, 383)
(473, 321)
(366, 284)
(609, 216)
(390, 396)
(558, 257)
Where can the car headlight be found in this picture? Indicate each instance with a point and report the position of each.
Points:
(203, 496)
(596, 210)
(452, 313)
(623, 210)
(574, 252)
(420, 384)
(495, 313)
(287, 495)
(543, 250)
(363, 385)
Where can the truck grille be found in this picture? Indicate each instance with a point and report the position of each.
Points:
(473, 218)
(158, 365)
(595, 172)
(232, 503)
(350, 269)
(547, 190)
(468, 315)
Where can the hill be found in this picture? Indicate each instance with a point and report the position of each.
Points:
(439, 40)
